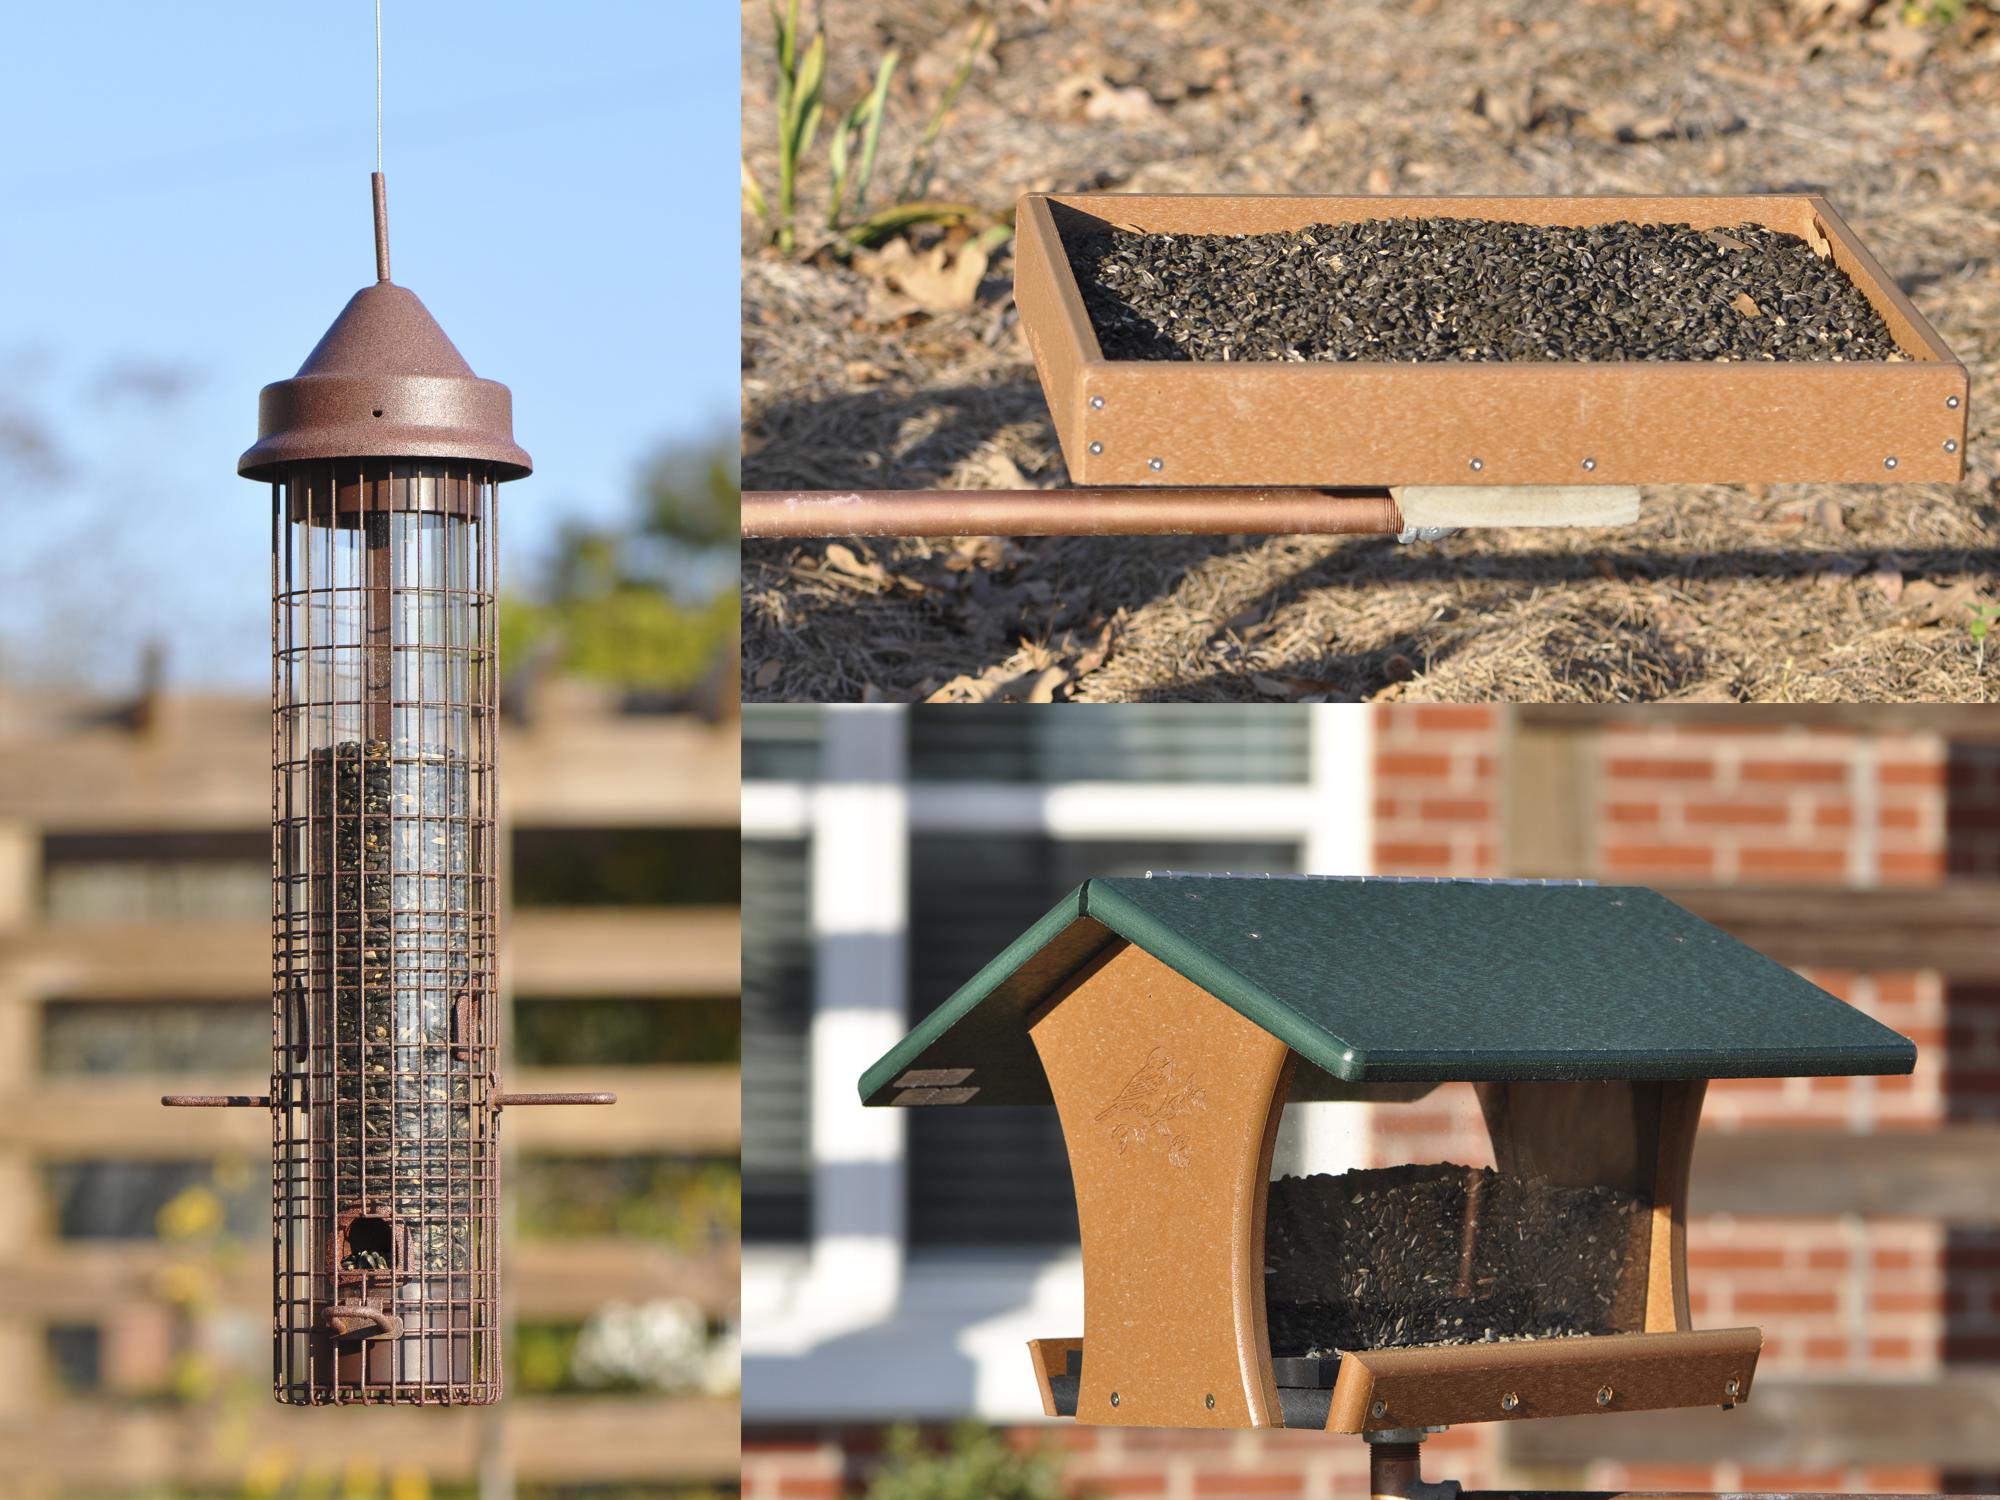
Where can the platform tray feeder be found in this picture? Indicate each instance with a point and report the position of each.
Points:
(1482, 421)
(383, 458)
(1224, 364)
(1170, 1019)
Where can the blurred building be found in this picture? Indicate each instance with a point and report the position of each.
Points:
(134, 1241)
(898, 1260)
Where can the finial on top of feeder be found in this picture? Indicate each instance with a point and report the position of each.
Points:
(381, 226)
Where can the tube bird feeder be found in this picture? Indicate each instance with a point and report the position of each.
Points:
(1170, 1020)
(384, 456)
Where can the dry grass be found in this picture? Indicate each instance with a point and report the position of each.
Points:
(1798, 593)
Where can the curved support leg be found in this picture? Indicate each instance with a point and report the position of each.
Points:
(1169, 1102)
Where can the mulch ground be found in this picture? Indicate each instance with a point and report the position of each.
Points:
(871, 374)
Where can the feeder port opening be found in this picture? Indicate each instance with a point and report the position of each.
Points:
(370, 1245)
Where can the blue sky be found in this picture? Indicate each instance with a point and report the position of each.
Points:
(185, 206)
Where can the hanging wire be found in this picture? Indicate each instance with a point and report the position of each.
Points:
(378, 85)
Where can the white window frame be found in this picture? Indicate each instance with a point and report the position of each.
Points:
(851, 1325)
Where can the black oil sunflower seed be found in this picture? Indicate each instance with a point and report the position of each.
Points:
(1472, 289)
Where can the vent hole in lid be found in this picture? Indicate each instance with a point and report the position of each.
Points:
(378, 411)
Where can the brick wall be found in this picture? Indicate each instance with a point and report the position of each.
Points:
(1437, 790)
(1682, 801)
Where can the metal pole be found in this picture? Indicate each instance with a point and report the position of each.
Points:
(1070, 512)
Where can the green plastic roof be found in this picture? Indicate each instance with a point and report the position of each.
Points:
(1412, 981)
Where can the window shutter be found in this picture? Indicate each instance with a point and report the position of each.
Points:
(777, 1014)
(1017, 743)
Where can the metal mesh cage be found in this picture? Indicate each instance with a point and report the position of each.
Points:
(384, 1095)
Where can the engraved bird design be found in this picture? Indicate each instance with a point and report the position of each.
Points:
(1153, 1096)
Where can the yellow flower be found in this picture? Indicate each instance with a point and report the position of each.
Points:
(266, 1473)
(361, 1479)
(192, 1212)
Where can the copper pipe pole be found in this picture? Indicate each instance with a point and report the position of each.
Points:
(216, 1101)
(504, 1100)
(1143, 511)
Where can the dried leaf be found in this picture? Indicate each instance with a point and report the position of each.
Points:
(1746, 304)
(1926, 603)
(988, 552)
(1095, 97)
(963, 689)
(840, 555)
(1099, 653)
(936, 280)
(1889, 579)
(1044, 688)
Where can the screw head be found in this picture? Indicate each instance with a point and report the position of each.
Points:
(1097, 447)
(1952, 402)
(1476, 465)
(1509, 1401)
(1155, 464)
(1209, 1399)
(1604, 1394)
(1379, 1409)
(1951, 445)
(1114, 1398)
(1097, 403)
(1889, 462)
(1590, 463)
(1732, 1387)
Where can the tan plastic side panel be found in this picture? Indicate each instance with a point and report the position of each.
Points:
(1052, 317)
(1169, 1103)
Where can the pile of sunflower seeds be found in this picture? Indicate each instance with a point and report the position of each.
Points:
(393, 848)
(1474, 289)
(1412, 1255)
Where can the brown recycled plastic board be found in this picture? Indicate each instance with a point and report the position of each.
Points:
(1353, 424)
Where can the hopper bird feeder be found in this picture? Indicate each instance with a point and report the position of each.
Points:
(384, 455)
(1170, 1019)
(1399, 431)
